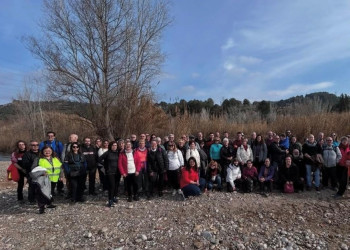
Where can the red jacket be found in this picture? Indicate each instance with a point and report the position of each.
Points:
(249, 172)
(187, 177)
(123, 163)
(344, 152)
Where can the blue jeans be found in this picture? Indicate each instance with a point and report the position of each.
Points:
(202, 183)
(308, 176)
(191, 190)
(216, 181)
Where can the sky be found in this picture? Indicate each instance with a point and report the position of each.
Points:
(255, 50)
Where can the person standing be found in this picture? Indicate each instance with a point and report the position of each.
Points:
(75, 166)
(157, 164)
(28, 159)
(141, 153)
(90, 154)
(17, 160)
(101, 169)
(176, 161)
(343, 166)
(331, 157)
(128, 164)
(110, 159)
(57, 147)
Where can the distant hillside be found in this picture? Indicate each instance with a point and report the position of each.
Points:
(310, 103)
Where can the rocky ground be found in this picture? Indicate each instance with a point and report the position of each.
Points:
(216, 220)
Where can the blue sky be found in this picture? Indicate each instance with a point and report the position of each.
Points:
(253, 49)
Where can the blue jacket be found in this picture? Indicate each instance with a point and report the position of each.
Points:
(215, 151)
(270, 173)
(56, 146)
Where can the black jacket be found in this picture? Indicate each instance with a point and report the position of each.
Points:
(276, 153)
(289, 174)
(91, 157)
(110, 161)
(157, 161)
(28, 159)
(226, 152)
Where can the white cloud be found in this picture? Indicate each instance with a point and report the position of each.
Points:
(230, 43)
(297, 89)
(234, 69)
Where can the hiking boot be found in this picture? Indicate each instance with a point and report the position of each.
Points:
(51, 206)
(41, 210)
(115, 199)
(130, 199)
(110, 203)
(136, 198)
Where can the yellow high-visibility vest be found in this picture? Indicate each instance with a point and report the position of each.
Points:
(53, 170)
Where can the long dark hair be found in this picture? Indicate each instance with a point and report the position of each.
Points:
(256, 140)
(16, 149)
(188, 167)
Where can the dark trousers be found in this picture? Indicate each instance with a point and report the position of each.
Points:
(31, 190)
(103, 179)
(173, 178)
(142, 181)
(157, 179)
(113, 184)
(40, 198)
(131, 183)
(342, 174)
(191, 190)
(60, 186)
(267, 184)
(20, 185)
(77, 187)
(248, 184)
(329, 173)
(92, 180)
(53, 186)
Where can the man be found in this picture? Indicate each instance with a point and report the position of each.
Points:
(226, 155)
(98, 143)
(200, 138)
(252, 139)
(134, 142)
(208, 144)
(28, 159)
(269, 138)
(157, 163)
(331, 157)
(294, 144)
(143, 137)
(171, 140)
(90, 154)
(191, 138)
(57, 147)
(238, 141)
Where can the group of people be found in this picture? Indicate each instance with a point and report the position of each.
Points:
(189, 165)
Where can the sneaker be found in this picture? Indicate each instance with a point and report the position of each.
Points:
(136, 198)
(115, 199)
(110, 203)
(130, 199)
(179, 191)
(51, 206)
(337, 196)
(174, 192)
(42, 210)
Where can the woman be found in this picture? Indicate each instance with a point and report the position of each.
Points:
(259, 150)
(75, 166)
(289, 176)
(215, 148)
(244, 153)
(48, 160)
(193, 152)
(312, 152)
(189, 182)
(142, 180)
(101, 171)
(129, 167)
(213, 175)
(266, 176)
(233, 177)
(16, 159)
(176, 161)
(342, 166)
(249, 176)
(110, 159)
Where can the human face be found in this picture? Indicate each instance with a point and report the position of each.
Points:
(171, 137)
(245, 142)
(75, 148)
(21, 146)
(50, 136)
(211, 137)
(200, 136)
(288, 162)
(133, 137)
(87, 142)
(105, 144)
(192, 163)
(192, 145)
(344, 141)
(258, 138)
(73, 138)
(142, 144)
(34, 146)
(47, 152)
(114, 147)
(293, 139)
(239, 136)
(142, 137)
(267, 162)
(329, 141)
(171, 147)
(154, 144)
(311, 138)
(128, 146)
(276, 139)
(249, 164)
(98, 143)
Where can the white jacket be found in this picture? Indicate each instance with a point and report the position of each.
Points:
(233, 173)
(244, 155)
(176, 159)
(193, 153)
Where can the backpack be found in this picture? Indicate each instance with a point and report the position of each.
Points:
(12, 173)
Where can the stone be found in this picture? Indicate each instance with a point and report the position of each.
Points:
(207, 235)
(31, 220)
(143, 237)
(198, 244)
(344, 246)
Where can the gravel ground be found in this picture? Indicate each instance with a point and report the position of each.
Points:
(215, 220)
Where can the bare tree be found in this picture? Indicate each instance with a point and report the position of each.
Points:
(102, 52)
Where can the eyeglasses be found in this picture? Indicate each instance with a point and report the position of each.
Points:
(34, 145)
